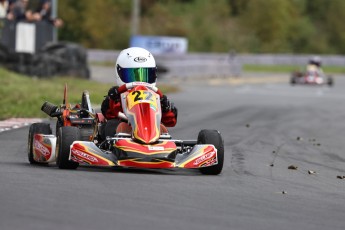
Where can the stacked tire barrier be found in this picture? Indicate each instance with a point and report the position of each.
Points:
(49, 58)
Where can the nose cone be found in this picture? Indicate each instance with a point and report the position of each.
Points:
(147, 128)
(147, 134)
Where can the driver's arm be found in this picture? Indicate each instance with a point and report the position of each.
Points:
(111, 104)
(169, 112)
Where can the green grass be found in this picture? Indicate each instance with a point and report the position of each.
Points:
(22, 96)
(289, 68)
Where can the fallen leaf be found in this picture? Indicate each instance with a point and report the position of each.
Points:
(293, 167)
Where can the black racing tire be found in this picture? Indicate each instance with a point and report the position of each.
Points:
(65, 137)
(36, 128)
(330, 81)
(110, 127)
(3, 54)
(293, 80)
(86, 132)
(212, 137)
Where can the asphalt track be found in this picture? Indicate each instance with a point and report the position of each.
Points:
(266, 127)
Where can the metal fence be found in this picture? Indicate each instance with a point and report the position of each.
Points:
(218, 65)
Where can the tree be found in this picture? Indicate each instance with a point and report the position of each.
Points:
(335, 17)
(269, 21)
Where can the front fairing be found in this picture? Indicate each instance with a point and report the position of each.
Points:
(43, 148)
(313, 77)
(142, 108)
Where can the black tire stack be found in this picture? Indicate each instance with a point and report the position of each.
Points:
(54, 59)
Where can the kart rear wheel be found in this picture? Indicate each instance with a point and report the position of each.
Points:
(36, 128)
(330, 81)
(65, 137)
(212, 137)
(110, 128)
(293, 80)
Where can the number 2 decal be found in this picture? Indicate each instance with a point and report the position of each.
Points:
(138, 95)
(141, 96)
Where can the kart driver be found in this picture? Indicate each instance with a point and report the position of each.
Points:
(127, 65)
(314, 65)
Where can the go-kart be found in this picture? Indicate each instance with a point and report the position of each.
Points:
(310, 78)
(140, 140)
(41, 141)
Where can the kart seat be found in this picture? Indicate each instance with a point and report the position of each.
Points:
(123, 127)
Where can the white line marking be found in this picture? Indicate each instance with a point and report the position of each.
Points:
(15, 123)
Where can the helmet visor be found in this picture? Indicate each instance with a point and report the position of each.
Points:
(128, 75)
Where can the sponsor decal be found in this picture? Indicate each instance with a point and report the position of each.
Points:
(205, 157)
(209, 162)
(140, 59)
(156, 148)
(41, 148)
(84, 155)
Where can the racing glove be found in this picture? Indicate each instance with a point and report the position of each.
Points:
(165, 104)
(174, 109)
(168, 106)
(114, 94)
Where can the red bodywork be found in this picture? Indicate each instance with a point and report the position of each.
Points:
(42, 148)
(143, 110)
(312, 77)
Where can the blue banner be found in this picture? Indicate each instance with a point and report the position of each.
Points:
(160, 44)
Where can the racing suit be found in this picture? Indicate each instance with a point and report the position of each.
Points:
(111, 106)
(312, 68)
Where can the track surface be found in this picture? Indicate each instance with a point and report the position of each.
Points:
(262, 125)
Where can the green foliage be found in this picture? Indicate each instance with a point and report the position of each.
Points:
(335, 17)
(260, 26)
(100, 24)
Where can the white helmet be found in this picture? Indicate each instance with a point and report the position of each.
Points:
(315, 60)
(135, 64)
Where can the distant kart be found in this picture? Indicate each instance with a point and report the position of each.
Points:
(141, 141)
(310, 78)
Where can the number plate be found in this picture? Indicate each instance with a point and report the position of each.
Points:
(141, 96)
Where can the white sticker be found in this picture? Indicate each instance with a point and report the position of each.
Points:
(156, 148)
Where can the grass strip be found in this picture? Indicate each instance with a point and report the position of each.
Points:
(290, 68)
(22, 96)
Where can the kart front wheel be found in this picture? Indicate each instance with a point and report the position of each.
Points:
(36, 128)
(212, 137)
(65, 137)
